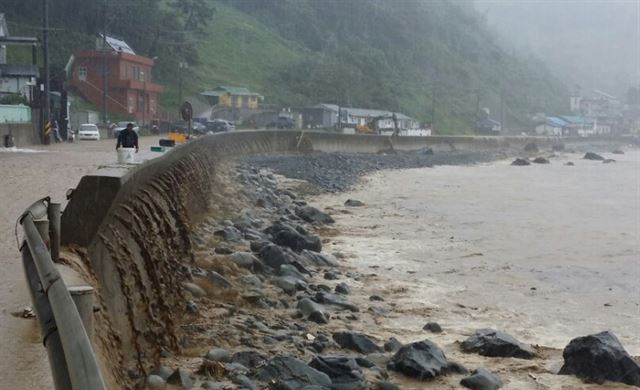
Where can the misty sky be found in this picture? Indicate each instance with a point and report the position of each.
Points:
(592, 43)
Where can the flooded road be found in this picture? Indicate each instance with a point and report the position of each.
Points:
(27, 177)
(545, 252)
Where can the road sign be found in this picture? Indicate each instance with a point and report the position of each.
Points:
(186, 111)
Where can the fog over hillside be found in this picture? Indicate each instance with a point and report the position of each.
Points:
(591, 43)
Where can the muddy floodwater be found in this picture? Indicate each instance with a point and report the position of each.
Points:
(544, 252)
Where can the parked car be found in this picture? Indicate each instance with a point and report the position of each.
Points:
(89, 131)
(123, 125)
(220, 125)
(282, 122)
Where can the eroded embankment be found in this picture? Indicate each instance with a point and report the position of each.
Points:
(141, 253)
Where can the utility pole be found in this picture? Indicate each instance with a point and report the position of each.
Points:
(181, 66)
(105, 80)
(502, 126)
(45, 49)
(433, 109)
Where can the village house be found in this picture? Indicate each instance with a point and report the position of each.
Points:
(130, 88)
(15, 79)
(233, 97)
(326, 116)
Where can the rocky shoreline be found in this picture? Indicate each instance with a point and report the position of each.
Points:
(270, 307)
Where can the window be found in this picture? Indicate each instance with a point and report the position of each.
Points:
(82, 73)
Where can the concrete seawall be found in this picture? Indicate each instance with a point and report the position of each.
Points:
(135, 224)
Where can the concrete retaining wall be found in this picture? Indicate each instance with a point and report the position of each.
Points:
(135, 225)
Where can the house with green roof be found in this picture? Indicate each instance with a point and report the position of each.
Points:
(233, 97)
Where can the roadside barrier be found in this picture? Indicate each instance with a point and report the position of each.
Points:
(73, 363)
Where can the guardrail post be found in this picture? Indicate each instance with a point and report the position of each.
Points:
(43, 229)
(48, 328)
(83, 298)
(53, 213)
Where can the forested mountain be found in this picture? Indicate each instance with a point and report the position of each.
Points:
(402, 55)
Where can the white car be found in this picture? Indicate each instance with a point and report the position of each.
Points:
(89, 131)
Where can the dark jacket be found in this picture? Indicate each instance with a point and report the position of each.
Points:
(127, 139)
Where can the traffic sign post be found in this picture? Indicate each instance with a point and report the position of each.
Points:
(186, 110)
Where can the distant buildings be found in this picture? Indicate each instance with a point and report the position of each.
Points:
(131, 90)
(233, 97)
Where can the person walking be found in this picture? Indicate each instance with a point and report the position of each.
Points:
(128, 138)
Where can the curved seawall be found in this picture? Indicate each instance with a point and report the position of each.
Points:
(136, 224)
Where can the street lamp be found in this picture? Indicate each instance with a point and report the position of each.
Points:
(144, 96)
(181, 65)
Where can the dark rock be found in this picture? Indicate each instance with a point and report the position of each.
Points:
(482, 379)
(290, 270)
(289, 284)
(593, 156)
(322, 342)
(457, 368)
(344, 372)
(335, 300)
(540, 160)
(155, 382)
(249, 358)
(608, 161)
(291, 373)
(356, 341)
(569, 164)
(274, 256)
(313, 215)
(257, 246)
(209, 385)
(363, 362)
(422, 360)
(162, 371)
(376, 298)
(223, 250)
(531, 147)
(384, 385)
(617, 151)
(599, 357)
(192, 307)
(247, 383)
(243, 259)
(320, 259)
(493, 343)
(293, 239)
(329, 275)
(433, 327)
(181, 378)
(218, 355)
(229, 233)
(392, 345)
(312, 311)
(218, 280)
(342, 288)
(520, 162)
(353, 203)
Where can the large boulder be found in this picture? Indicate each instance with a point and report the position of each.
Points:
(481, 379)
(520, 162)
(290, 373)
(353, 203)
(422, 360)
(312, 311)
(540, 160)
(319, 259)
(293, 239)
(344, 372)
(313, 215)
(593, 156)
(356, 341)
(274, 256)
(493, 343)
(335, 300)
(599, 357)
(181, 378)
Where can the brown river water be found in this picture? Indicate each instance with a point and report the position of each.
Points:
(544, 252)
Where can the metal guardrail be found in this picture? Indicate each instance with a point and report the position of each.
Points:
(64, 328)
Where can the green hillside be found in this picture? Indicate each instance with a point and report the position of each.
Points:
(397, 55)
